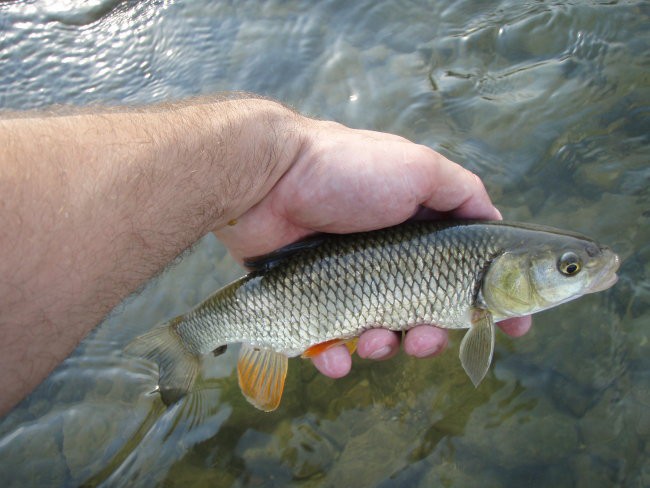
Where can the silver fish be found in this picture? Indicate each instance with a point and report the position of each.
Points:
(328, 289)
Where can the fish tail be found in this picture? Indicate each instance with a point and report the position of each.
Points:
(178, 367)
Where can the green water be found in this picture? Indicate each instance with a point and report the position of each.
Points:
(546, 101)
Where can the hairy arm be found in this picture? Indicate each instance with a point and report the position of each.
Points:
(94, 204)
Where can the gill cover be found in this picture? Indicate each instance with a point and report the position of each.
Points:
(508, 288)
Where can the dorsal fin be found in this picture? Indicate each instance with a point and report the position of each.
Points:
(268, 261)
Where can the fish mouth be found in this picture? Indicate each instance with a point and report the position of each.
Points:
(607, 277)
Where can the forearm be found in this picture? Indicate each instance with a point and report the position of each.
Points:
(92, 205)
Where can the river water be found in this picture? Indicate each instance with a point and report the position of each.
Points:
(547, 101)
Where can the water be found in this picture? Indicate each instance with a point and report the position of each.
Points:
(548, 102)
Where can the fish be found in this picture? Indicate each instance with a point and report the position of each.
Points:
(327, 289)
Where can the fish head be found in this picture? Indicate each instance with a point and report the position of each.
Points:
(550, 270)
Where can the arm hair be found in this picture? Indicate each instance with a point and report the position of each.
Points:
(94, 202)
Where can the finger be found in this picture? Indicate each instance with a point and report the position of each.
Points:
(335, 362)
(425, 213)
(516, 327)
(425, 340)
(378, 344)
(445, 186)
(383, 136)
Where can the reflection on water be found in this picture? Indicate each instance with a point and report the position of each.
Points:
(548, 103)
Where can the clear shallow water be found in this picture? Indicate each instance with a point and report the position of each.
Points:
(548, 102)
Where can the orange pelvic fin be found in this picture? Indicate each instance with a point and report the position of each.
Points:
(261, 374)
(316, 349)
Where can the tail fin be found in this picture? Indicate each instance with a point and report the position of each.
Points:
(177, 366)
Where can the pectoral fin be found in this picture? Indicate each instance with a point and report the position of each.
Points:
(261, 374)
(477, 346)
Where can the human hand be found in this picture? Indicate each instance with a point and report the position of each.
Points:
(344, 180)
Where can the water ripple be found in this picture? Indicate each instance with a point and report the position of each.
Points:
(547, 101)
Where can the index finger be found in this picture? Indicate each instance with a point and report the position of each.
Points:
(446, 186)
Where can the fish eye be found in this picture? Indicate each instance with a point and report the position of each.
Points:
(569, 264)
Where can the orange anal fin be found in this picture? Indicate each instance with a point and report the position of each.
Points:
(321, 347)
(261, 374)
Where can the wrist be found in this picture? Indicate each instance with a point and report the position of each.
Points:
(257, 142)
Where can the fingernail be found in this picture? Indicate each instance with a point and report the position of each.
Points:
(380, 353)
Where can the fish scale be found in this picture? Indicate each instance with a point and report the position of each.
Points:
(348, 284)
(326, 290)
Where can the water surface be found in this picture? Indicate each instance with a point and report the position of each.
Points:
(546, 101)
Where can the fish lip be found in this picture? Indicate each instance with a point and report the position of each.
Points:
(601, 285)
(607, 278)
